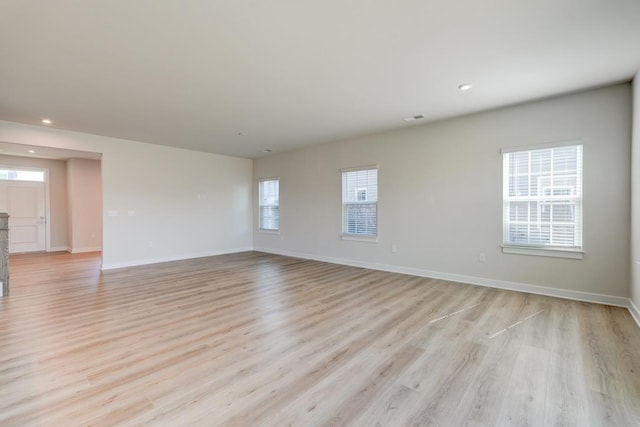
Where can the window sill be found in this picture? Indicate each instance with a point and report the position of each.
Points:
(356, 238)
(547, 252)
(261, 230)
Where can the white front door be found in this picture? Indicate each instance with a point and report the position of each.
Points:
(25, 203)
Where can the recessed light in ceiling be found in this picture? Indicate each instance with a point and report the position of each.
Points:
(465, 86)
(267, 150)
(31, 151)
(412, 118)
(46, 121)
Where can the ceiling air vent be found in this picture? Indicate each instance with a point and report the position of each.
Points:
(412, 118)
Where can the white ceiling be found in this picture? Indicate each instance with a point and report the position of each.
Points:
(284, 74)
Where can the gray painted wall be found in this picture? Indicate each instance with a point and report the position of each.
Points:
(440, 194)
(186, 203)
(84, 188)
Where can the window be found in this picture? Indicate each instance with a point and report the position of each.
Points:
(360, 202)
(21, 175)
(269, 204)
(542, 197)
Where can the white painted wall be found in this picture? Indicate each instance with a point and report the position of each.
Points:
(635, 199)
(186, 203)
(57, 194)
(85, 205)
(440, 195)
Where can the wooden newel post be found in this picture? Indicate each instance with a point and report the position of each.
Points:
(4, 253)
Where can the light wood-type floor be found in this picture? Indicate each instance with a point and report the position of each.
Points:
(253, 339)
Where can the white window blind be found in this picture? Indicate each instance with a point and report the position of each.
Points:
(360, 202)
(542, 197)
(269, 204)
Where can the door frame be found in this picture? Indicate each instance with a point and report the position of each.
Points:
(47, 204)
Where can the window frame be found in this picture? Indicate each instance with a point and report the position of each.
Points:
(261, 227)
(577, 203)
(359, 237)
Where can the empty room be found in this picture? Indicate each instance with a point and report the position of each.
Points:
(409, 213)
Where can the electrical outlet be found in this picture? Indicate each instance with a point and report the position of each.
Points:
(481, 257)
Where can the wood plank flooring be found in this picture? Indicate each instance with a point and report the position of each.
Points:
(253, 339)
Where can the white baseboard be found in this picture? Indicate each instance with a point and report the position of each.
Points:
(124, 264)
(60, 249)
(492, 283)
(635, 313)
(88, 249)
(480, 281)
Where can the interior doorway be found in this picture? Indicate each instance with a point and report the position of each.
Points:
(72, 217)
(71, 182)
(23, 196)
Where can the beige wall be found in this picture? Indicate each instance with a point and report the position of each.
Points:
(57, 194)
(85, 205)
(635, 197)
(186, 203)
(440, 195)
